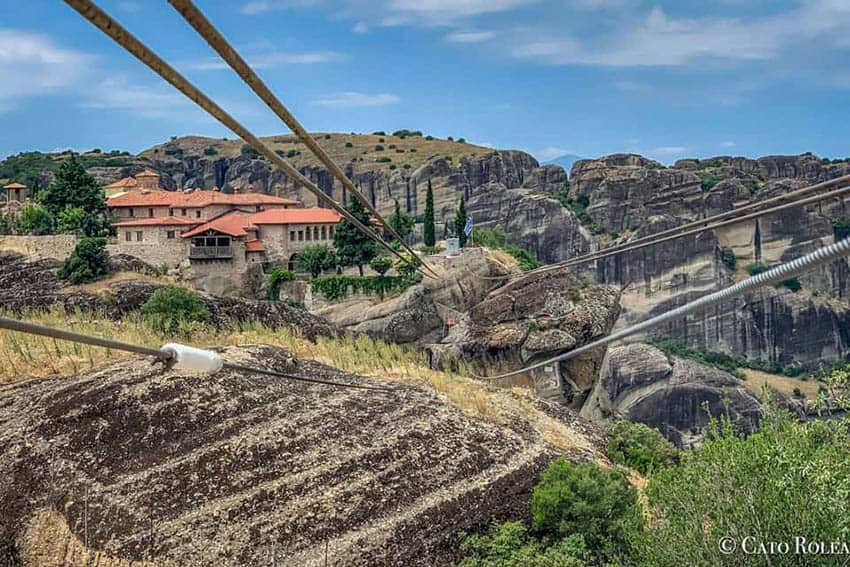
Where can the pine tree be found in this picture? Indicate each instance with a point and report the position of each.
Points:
(460, 222)
(353, 248)
(73, 187)
(401, 222)
(429, 230)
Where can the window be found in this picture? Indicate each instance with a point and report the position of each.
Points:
(170, 234)
(182, 212)
(315, 233)
(139, 236)
(150, 213)
(308, 233)
(300, 235)
(128, 236)
(331, 231)
(131, 212)
(259, 208)
(198, 214)
(324, 233)
(292, 236)
(171, 212)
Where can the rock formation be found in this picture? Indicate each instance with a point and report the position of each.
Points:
(136, 463)
(640, 383)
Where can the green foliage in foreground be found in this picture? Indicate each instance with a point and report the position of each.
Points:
(640, 447)
(36, 220)
(316, 259)
(170, 309)
(341, 286)
(510, 545)
(789, 480)
(87, 263)
(495, 238)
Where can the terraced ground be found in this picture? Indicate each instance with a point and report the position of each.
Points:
(131, 462)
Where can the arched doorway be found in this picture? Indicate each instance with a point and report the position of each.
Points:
(293, 262)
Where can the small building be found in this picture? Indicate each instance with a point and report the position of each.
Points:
(15, 193)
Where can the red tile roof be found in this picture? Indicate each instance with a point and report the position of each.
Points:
(160, 198)
(14, 186)
(121, 183)
(296, 216)
(158, 221)
(235, 223)
(254, 246)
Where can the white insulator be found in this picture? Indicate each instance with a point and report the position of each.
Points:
(194, 360)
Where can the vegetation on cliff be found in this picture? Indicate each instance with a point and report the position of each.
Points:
(495, 238)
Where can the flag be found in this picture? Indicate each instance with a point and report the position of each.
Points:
(467, 230)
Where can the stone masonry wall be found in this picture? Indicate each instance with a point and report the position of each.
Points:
(56, 246)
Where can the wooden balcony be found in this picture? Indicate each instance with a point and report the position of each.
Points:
(210, 252)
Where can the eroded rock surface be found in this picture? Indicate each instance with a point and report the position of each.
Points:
(237, 469)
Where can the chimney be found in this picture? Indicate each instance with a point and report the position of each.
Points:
(249, 189)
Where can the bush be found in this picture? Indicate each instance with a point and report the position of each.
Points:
(756, 268)
(210, 151)
(381, 264)
(379, 148)
(841, 228)
(249, 152)
(170, 309)
(790, 480)
(316, 259)
(379, 133)
(708, 181)
(276, 277)
(383, 160)
(349, 145)
(36, 220)
(510, 545)
(292, 153)
(494, 238)
(596, 503)
(727, 256)
(71, 220)
(640, 447)
(340, 286)
(88, 262)
(793, 284)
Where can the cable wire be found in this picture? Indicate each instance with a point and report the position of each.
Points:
(217, 41)
(780, 273)
(100, 19)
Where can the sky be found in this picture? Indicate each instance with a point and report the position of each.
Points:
(666, 79)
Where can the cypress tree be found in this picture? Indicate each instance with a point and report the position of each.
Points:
(460, 222)
(353, 248)
(429, 230)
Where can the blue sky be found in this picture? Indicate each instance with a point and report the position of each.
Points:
(667, 79)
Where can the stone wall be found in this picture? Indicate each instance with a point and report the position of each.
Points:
(56, 246)
(155, 248)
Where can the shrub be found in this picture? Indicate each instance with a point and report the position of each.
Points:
(790, 480)
(756, 268)
(841, 228)
(316, 259)
(276, 277)
(249, 152)
(379, 148)
(383, 160)
(708, 181)
(210, 151)
(461, 140)
(349, 145)
(596, 503)
(340, 286)
(393, 167)
(429, 137)
(70, 220)
(793, 284)
(510, 545)
(727, 256)
(172, 308)
(379, 133)
(292, 153)
(640, 447)
(494, 238)
(381, 264)
(88, 262)
(36, 220)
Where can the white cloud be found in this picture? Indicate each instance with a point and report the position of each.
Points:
(551, 152)
(271, 59)
(263, 6)
(129, 6)
(150, 102)
(446, 11)
(728, 144)
(668, 151)
(32, 65)
(354, 99)
(470, 36)
(360, 27)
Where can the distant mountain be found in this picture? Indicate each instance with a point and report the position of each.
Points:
(566, 161)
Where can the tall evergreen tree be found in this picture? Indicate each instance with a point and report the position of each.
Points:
(73, 187)
(460, 222)
(353, 248)
(429, 230)
(401, 222)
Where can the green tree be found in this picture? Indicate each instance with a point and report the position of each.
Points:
(381, 264)
(446, 232)
(172, 308)
(788, 481)
(586, 499)
(353, 248)
(401, 222)
(510, 545)
(73, 187)
(275, 278)
(70, 220)
(428, 228)
(460, 222)
(36, 220)
(316, 259)
(640, 447)
(88, 262)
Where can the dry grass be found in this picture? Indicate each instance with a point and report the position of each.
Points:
(24, 356)
(756, 380)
